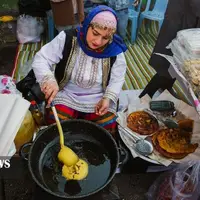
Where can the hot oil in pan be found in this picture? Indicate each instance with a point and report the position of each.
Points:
(93, 153)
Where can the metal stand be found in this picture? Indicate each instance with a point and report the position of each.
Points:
(156, 83)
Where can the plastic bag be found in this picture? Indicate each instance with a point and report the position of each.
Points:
(28, 85)
(186, 45)
(186, 54)
(29, 29)
(191, 71)
(182, 183)
(26, 131)
(190, 39)
(179, 51)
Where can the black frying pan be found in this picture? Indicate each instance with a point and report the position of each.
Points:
(90, 141)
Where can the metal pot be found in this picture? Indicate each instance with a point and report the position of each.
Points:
(90, 141)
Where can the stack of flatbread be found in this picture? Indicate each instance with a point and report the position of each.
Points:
(175, 143)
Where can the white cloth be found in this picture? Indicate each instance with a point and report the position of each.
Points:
(13, 110)
(75, 95)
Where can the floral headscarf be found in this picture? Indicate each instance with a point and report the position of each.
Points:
(114, 48)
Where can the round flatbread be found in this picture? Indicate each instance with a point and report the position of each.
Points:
(163, 152)
(173, 143)
(142, 122)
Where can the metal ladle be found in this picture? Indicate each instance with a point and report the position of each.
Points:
(141, 145)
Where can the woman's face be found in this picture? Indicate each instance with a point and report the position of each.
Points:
(97, 38)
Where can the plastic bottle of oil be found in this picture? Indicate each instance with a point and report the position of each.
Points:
(36, 113)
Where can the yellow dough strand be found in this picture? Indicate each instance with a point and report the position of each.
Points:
(73, 168)
(59, 126)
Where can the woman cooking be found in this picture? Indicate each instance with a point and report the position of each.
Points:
(83, 71)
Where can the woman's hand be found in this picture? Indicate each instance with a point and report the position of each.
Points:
(50, 89)
(102, 106)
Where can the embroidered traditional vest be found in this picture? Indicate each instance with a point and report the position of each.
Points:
(65, 67)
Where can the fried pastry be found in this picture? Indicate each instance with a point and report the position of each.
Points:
(173, 143)
(142, 122)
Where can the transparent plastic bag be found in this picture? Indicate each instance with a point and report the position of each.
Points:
(179, 51)
(191, 70)
(187, 63)
(29, 29)
(182, 183)
(190, 39)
